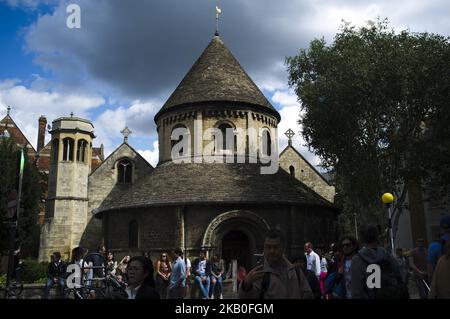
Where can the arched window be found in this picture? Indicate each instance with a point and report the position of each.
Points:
(133, 234)
(266, 143)
(81, 150)
(224, 147)
(55, 150)
(68, 144)
(178, 138)
(124, 171)
(292, 170)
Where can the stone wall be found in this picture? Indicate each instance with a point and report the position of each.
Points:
(102, 181)
(305, 173)
(242, 119)
(159, 227)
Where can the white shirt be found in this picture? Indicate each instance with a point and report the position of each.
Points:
(188, 265)
(313, 263)
(201, 267)
(323, 265)
(131, 292)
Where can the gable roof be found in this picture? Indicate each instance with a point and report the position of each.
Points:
(115, 151)
(15, 132)
(217, 76)
(303, 158)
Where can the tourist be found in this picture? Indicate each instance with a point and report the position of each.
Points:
(391, 283)
(202, 272)
(436, 248)
(217, 270)
(440, 287)
(418, 264)
(313, 259)
(56, 272)
(140, 279)
(163, 271)
(276, 278)
(177, 280)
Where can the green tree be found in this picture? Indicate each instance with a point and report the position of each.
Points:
(28, 230)
(376, 112)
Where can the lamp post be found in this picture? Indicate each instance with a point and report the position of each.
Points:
(388, 199)
(13, 226)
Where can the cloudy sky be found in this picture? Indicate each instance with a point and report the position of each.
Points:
(128, 56)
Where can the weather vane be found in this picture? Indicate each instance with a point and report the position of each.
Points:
(218, 11)
(126, 132)
(290, 134)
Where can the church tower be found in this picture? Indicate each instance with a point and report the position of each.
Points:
(66, 212)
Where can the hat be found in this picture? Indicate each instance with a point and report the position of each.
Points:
(445, 221)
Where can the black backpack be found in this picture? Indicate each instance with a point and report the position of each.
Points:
(391, 283)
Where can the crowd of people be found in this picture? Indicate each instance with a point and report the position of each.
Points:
(341, 273)
(345, 271)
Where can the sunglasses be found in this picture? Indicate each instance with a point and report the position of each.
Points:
(164, 256)
(346, 245)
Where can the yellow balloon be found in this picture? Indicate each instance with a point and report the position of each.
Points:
(387, 198)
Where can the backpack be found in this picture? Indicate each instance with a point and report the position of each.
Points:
(266, 282)
(391, 283)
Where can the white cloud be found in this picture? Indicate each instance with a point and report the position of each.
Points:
(138, 117)
(28, 4)
(29, 104)
(285, 98)
(152, 156)
(290, 114)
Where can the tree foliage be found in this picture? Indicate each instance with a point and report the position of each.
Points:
(376, 111)
(28, 230)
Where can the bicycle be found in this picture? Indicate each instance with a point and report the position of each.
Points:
(14, 291)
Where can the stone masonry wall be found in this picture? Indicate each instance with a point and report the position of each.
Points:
(306, 174)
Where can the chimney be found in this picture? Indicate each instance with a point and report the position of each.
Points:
(41, 133)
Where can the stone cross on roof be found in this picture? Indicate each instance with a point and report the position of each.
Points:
(290, 134)
(126, 132)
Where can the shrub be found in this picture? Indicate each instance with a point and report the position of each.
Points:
(33, 271)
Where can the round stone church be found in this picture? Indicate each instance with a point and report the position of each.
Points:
(224, 207)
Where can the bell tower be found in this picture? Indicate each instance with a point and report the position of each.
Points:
(66, 212)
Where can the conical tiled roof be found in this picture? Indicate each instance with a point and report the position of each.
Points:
(217, 76)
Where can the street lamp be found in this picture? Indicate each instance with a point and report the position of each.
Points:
(14, 225)
(388, 199)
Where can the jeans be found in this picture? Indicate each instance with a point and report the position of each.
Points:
(216, 281)
(175, 293)
(50, 284)
(203, 285)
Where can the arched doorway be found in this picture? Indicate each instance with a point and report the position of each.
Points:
(236, 245)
